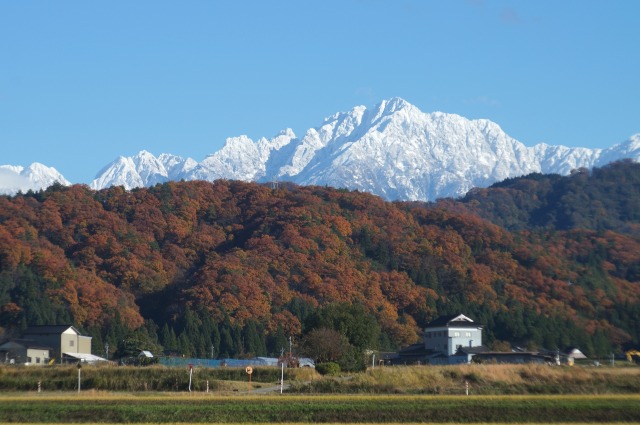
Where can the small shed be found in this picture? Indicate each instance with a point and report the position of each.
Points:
(82, 358)
(576, 354)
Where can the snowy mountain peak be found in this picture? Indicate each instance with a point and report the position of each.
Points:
(176, 165)
(630, 148)
(121, 172)
(37, 176)
(144, 154)
(43, 176)
(142, 169)
(287, 132)
(391, 149)
(393, 105)
(631, 144)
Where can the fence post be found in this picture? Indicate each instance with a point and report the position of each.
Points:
(466, 387)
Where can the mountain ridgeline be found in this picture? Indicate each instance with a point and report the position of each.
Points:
(606, 198)
(393, 150)
(233, 269)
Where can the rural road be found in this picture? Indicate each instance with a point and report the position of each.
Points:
(269, 389)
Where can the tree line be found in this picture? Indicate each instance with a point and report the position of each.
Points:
(235, 269)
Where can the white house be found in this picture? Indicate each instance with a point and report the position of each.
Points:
(448, 334)
(447, 340)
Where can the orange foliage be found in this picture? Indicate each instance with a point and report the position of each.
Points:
(246, 251)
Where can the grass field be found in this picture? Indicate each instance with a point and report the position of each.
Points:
(483, 379)
(185, 408)
(451, 380)
(391, 395)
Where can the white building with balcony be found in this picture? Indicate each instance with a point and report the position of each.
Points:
(448, 334)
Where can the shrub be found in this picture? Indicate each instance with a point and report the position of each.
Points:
(352, 360)
(328, 368)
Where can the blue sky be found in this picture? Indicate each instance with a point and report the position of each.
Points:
(84, 82)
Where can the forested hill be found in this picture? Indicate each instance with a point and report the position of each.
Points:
(238, 267)
(606, 198)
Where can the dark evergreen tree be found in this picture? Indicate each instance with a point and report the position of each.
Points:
(184, 345)
(277, 342)
(211, 335)
(238, 346)
(227, 345)
(168, 339)
(254, 344)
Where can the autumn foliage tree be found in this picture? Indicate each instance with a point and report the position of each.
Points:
(234, 268)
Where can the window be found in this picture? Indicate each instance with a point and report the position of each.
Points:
(28, 359)
(468, 334)
(37, 360)
(71, 343)
(456, 334)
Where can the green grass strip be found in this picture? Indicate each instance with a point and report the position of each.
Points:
(325, 409)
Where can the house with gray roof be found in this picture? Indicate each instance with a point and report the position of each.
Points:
(448, 334)
(453, 339)
(64, 341)
(21, 351)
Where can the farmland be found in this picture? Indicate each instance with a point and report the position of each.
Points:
(498, 394)
(182, 408)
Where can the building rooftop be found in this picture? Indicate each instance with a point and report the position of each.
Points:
(48, 329)
(26, 343)
(454, 320)
(473, 350)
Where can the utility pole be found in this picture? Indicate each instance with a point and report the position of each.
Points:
(79, 374)
(282, 377)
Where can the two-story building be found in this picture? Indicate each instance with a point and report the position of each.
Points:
(451, 339)
(63, 340)
(457, 339)
(49, 343)
(448, 334)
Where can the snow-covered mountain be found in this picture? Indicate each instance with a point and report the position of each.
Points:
(15, 178)
(393, 150)
(142, 170)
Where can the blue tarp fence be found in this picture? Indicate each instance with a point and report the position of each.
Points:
(185, 362)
